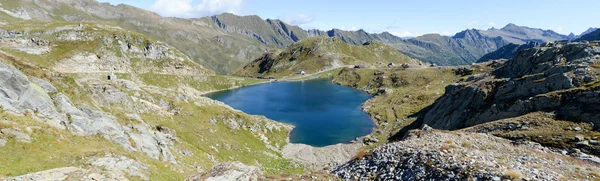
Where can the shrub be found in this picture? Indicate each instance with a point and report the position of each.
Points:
(69, 118)
(360, 154)
(512, 174)
(466, 145)
(445, 147)
(27, 113)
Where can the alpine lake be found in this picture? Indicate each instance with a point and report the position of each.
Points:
(322, 112)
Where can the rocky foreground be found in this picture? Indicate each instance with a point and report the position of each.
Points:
(430, 154)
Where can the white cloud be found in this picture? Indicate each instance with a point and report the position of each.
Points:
(445, 33)
(492, 24)
(472, 24)
(559, 29)
(185, 8)
(297, 20)
(415, 34)
(352, 28)
(404, 34)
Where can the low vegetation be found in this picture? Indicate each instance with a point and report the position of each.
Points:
(399, 93)
(546, 129)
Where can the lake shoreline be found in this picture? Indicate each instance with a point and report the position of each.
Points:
(340, 150)
(323, 112)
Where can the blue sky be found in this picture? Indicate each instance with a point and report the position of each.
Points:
(400, 17)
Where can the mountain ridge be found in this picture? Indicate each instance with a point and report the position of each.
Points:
(507, 52)
(592, 36)
(226, 42)
(319, 54)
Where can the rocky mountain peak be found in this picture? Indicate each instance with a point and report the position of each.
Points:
(513, 28)
(468, 33)
(571, 36)
(592, 36)
(588, 31)
(510, 25)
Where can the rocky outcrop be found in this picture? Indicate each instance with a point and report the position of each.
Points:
(435, 155)
(121, 165)
(16, 134)
(557, 77)
(105, 168)
(229, 171)
(33, 46)
(47, 86)
(507, 51)
(88, 122)
(577, 139)
(19, 95)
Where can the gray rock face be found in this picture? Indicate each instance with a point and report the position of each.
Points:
(57, 174)
(19, 95)
(153, 143)
(47, 86)
(534, 80)
(13, 85)
(105, 168)
(16, 134)
(88, 122)
(121, 165)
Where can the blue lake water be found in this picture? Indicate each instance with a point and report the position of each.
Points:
(323, 113)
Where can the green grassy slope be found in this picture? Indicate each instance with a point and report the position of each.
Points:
(205, 130)
(317, 54)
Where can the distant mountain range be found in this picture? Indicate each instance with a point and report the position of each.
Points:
(226, 42)
(508, 51)
(591, 36)
(588, 31)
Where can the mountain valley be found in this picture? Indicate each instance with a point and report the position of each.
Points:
(95, 91)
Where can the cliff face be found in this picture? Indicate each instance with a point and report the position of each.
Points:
(560, 78)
